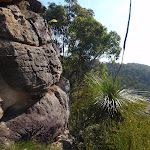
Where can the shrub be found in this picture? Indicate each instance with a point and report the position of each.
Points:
(30, 144)
(133, 133)
(109, 97)
(105, 116)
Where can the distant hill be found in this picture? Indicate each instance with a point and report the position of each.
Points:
(134, 76)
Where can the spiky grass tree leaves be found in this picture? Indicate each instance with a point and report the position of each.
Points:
(109, 99)
(112, 99)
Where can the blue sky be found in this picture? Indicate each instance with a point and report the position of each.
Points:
(113, 14)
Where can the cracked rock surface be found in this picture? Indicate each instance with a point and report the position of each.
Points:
(33, 95)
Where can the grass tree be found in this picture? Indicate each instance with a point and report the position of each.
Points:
(108, 99)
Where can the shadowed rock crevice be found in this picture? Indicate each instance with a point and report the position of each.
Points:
(43, 37)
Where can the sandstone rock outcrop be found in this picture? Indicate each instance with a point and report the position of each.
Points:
(35, 5)
(45, 119)
(33, 95)
(9, 2)
(34, 68)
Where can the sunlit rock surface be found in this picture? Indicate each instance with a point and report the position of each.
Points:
(33, 95)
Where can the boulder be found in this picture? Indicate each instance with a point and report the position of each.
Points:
(14, 27)
(35, 5)
(34, 68)
(46, 119)
(12, 100)
(34, 98)
(41, 29)
(64, 84)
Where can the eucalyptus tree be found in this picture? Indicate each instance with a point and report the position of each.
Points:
(64, 14)
(85, 38)
(89, 40)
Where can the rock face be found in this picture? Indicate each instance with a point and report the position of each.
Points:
(10, 2)
(34, 68)
(33, 97)
(45, 119)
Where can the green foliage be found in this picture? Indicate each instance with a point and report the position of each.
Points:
(88, 41)
(55, 12)
(95, 137)
(102, 117)
(134, 76)
(64, 15)
(97, 125)
(133, 133)
(85, 38)
(71, 69)
(109, 99)
(31, 145)
(89, 109)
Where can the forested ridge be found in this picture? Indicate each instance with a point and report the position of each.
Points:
(133, 75)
